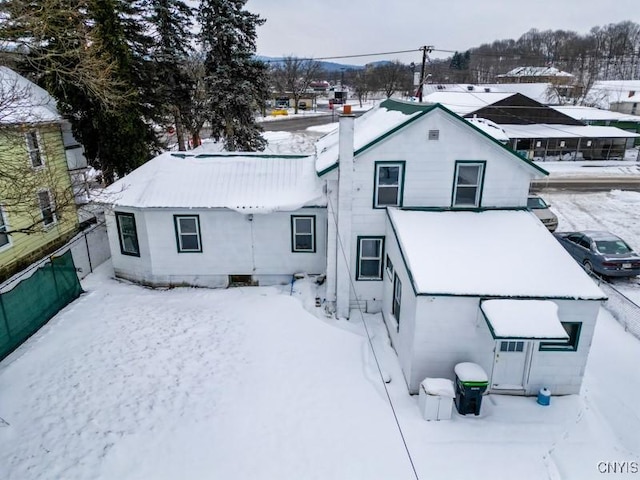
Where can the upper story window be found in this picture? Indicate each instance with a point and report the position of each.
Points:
(46, 207)
(4, 237)
(303, 233)
(127, 234)
(188, 233)
(389, 178)
(467, 184)
(34, 148)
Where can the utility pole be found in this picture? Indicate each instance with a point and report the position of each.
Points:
(425, 49)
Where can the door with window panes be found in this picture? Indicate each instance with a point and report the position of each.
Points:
(510, 363)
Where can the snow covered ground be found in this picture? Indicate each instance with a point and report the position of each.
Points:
(257, 383)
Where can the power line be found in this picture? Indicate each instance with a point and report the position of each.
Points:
(370, 341)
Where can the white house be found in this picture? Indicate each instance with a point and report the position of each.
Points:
(492, 287)
(214, 220)
(409, 210)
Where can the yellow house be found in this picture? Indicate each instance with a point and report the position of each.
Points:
(37, 208)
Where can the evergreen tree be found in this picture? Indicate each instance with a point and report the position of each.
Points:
(120, 139)
(236, 83)
(170, 26)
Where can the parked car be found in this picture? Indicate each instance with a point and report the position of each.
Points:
(302, 105)
(601, 252)
(541, 209)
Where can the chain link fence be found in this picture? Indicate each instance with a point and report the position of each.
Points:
(625, 310)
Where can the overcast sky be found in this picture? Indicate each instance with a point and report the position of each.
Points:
(326, 28)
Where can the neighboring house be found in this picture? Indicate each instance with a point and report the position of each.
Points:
(409, 210)
(37, 208)
(536, 75)
(621, 96)
(537, 131)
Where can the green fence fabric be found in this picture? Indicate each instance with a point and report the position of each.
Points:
(35, 300)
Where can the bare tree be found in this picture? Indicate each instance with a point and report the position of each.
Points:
(294, 75)
(391, 77)
(193, 113)
(54, 39)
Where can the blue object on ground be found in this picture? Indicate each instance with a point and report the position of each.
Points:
(544, 396)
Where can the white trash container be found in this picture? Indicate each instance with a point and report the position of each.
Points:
(436, 398)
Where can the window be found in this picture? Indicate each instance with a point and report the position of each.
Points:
(4, 237)
(33, 147)
(188, 233)
(468, 184)
(369, 266)
(389, 267)
(511, 346)
(46, 207)
(303, 234)
(388, 186)
(397, 297)
(571, 345)
(127, 234)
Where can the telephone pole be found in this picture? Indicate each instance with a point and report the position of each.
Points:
(425, 49)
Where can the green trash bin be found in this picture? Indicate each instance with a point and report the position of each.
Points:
(471, 382)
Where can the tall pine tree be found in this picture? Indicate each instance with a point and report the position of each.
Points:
(120, 139)
(170, 22)
(236, 82)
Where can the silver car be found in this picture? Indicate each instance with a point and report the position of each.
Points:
(541, 210)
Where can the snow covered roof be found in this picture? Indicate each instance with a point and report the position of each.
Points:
(381, 121)
(540, 92)
(542, 130)
(490, 128)
(535, 72)
(245, 182)
(375, 123)
(523, 319)
(605, 92)
(23, 101)
(493, 253)
(595, 114)
(465, 102)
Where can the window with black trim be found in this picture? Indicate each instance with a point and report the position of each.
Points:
(188, 233)
(45, 202)
(397, 299)
(370, 255)
(33, 147)
(303, 233)
(467, 184)
(571, 345)
(388, 184)
(4, 237)
(127, 234)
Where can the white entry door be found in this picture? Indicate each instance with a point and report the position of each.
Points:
(510, 364)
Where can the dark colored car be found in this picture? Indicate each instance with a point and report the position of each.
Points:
(601, 252)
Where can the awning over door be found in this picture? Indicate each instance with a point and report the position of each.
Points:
(523, 319)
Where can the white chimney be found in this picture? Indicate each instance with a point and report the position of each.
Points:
(345, 192)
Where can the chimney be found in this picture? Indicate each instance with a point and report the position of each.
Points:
(345, 192)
